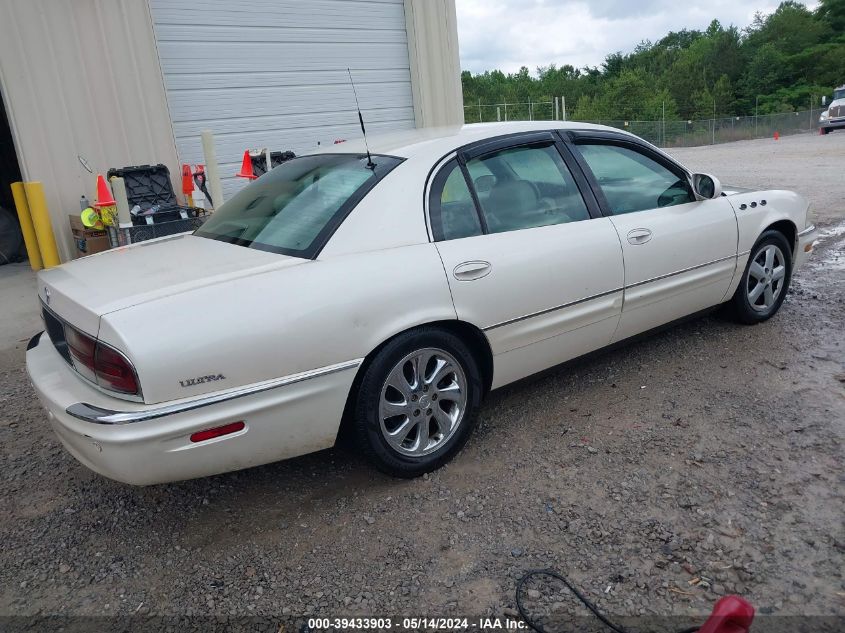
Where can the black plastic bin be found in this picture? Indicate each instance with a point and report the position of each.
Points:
(259, 162)
(148, 186)
(133, 234)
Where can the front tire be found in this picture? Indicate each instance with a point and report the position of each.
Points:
(765, 280)
(417, 402)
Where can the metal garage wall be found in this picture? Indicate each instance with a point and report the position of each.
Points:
(81, 77)
(272, 73)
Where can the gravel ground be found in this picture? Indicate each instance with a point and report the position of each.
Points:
(702, 461)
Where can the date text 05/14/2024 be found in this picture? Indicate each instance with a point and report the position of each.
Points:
(417, 623)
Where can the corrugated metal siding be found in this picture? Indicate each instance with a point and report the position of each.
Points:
(272, 73)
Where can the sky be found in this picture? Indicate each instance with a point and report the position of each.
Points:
(508, 34)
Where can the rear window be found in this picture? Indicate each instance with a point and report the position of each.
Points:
(294, 209)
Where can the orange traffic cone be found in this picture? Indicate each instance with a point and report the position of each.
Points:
(187, 180)
(104, 194)
(777, 136)
(188, 185)
(246, 168)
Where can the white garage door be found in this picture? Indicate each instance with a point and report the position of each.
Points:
(272, 73)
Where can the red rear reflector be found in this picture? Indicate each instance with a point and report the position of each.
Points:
(210, 434)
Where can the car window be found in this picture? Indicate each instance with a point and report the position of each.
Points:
(632, 181)
(292, 209)
(453, 212)
(526, 187)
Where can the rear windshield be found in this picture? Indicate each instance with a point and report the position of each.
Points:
(295, 208)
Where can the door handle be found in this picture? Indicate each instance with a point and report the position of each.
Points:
(639, 236)
(469, 271)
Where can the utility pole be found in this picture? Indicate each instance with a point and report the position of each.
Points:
(557, 109)
(498, 113)
(663, 129)
(530, 110)
(714, 121)
(563, 107)
(479, 109)
(756, 108)
(811, 113)
(506, 110)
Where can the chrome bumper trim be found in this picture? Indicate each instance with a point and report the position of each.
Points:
(99, 415)
(807, 231)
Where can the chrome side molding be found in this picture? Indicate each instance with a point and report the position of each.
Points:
(610, 292)
(99, 415)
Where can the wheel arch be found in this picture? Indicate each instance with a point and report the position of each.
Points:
(787, 228)
(467, 332)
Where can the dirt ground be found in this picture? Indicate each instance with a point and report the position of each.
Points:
(702, 461)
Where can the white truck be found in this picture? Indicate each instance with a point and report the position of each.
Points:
(834, 117)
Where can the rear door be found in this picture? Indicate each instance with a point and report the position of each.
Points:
(528, 256)
(679, 252)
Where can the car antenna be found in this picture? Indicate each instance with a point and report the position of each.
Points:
(370, 163)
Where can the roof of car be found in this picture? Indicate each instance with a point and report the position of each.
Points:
(438, 141)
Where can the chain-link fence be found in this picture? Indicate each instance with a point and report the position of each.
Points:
(527, 111)
(663, 133)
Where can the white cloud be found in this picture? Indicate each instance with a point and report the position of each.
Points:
(508, 34)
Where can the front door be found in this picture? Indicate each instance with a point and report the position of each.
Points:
(528, 257)
(680, 252)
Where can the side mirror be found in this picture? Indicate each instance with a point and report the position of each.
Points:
(706, 186)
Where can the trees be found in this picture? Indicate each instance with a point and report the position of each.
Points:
(781, 60)
(833, 13)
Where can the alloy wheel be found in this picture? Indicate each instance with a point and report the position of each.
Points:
(765, 279)
(422, 402)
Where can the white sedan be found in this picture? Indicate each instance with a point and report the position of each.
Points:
(386, 294)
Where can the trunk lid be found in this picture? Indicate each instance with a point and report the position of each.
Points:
(85, 289)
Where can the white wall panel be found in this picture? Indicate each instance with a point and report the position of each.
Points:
(432, 28)
(273, 73)
(81, 78)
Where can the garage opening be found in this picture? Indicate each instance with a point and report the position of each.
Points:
(11, 242)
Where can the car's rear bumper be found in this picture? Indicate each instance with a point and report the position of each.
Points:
(804, 245)
(146, 444)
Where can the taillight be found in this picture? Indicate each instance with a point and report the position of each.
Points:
(100, 363)
(114, 371)
(81, 347)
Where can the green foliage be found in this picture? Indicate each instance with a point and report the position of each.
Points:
(833, 12)
(779, 63)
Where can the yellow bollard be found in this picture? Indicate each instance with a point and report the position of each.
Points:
(42, 224)
(27, 229)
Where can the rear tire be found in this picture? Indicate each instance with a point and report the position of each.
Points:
(417, 402)
(765, 280)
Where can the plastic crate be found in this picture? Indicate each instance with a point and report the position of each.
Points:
(142, 233)
(148, 186)
(259, 161)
